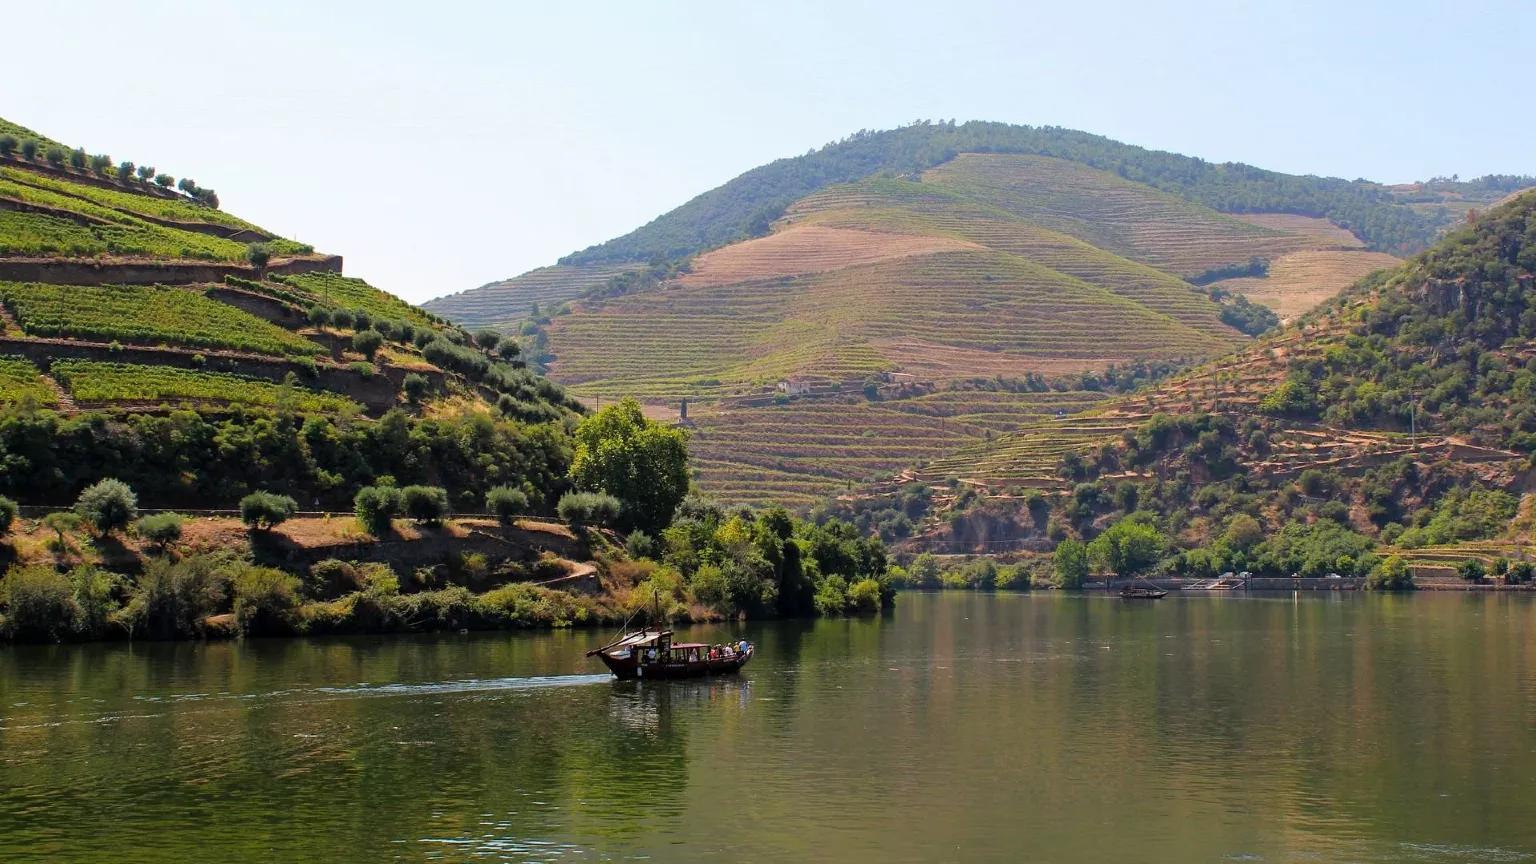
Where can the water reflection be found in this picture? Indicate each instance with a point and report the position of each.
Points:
(964, 727)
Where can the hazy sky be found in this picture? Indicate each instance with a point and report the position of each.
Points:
(442, 145)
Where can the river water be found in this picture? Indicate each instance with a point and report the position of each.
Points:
(959, 727)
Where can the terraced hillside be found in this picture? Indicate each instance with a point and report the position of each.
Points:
(1399, 410)
(884, 278)
(177, 346)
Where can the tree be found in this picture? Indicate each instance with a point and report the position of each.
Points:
(375, 506)
(341, 318)
(487, 338)
(415, 387)
(506, 502)
(925, 571)
(1390, 574)
(109, 505)
(161, 529)
(425, 505)
(588, 508)
(77, 159)
(508, 349)
(101, 163)
(187, 185)
(61, 523)
(1071, 564)
(1127, 548)
(165, 181)
(367, 342)
(641, 463)
(1472, 570)
(8, 144)
(8, 511)
(125, 172)
(146, 173)
(319, 316)
(258, 254)
(263, 511)
(1244, 532)
(56, 156)
(1520, 572)
(29, 150)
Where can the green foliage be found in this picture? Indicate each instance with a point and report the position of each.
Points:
(425, 505)
(367, 342)
(265, 510)
(8, 511)
(641, 463)
(259, 254)
(1463, 513)
(589, 508)
(1315, 550)
(1070, 562)
(1390, 574)
(925, 571)
(39, 603)
(148, 314)
(506, 502)
(1127, 548)
(161, 529)
(266, 600)
(108, 505)
(376, 506)
(94, 382)
(1520, 573)
(1471, 570)
(415, 387)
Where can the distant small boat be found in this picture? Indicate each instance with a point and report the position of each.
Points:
(652, 654)
(1135, 592)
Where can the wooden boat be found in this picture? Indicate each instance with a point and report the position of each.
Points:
(652, 654)
(1138, 592)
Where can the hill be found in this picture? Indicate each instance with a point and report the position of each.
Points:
(147, 334)
(882, 282)
(1394, 420)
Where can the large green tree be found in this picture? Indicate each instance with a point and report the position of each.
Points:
(642, 463)
(1128, 547)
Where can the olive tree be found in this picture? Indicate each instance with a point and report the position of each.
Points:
(108, 505)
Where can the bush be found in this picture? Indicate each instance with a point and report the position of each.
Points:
(864, 597)
(8, 144)
(506, 502)
(640, 545)
(1391, 574)
(259, 254)
(1520, 573)
(425, 505)
(266, 600)
(1071, 564)
(487, 339)
(56, 156)
(164, 181)
(109, 505)
(832, 596)
(319, 316)
(264, 510)
(29, 149)
(161, 529)
(95, 593)
(332, 578)
(415, 387)
(588, 508)
(8, 511)
(375, 506)
(341, 318)
(174, 597)
(39, 603)
(367, 342)
(1472, 570)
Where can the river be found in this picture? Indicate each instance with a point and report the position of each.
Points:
(959, 727)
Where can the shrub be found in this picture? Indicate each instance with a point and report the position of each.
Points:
(174, 597)
(506, 502)
(1519, 572)
(264, 510)
(425, 505)
(164, 181)
(78, 159)
(56, 156)
(7, 144)
(641, 545)
(864, 597)
(341, 318)
(588, 508)
(375, 506)
(832, 596)
(39, 603)
(146, 173)
(95, 592)
(61, 523)
(1390, 574)
(8, 511)
(125, 173)
(259, 254)
(487, 338)
(508, 350)
(161, 529)
(1472, 570)
(29, 149)
(109, 505)
(367, 342)
(330, 579)
(415, 387)
(266, 600)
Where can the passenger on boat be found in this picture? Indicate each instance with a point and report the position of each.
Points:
(742, 647)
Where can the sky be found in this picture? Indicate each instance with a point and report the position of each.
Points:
(441, 146)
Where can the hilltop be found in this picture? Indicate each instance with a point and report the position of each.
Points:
(1393, 420)
(895, 297)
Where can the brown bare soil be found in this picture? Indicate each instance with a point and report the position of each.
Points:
(1324, 232)
(935, 361)
(1300, 281)
(811, 249)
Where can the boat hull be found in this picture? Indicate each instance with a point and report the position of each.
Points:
(627, 666)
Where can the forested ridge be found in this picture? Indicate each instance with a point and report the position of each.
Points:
(747, 205)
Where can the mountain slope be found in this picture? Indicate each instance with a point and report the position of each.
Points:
(1400, 410)
(148, 335)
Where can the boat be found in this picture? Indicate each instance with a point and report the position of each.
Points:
(1137, 592)
(650, 653)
